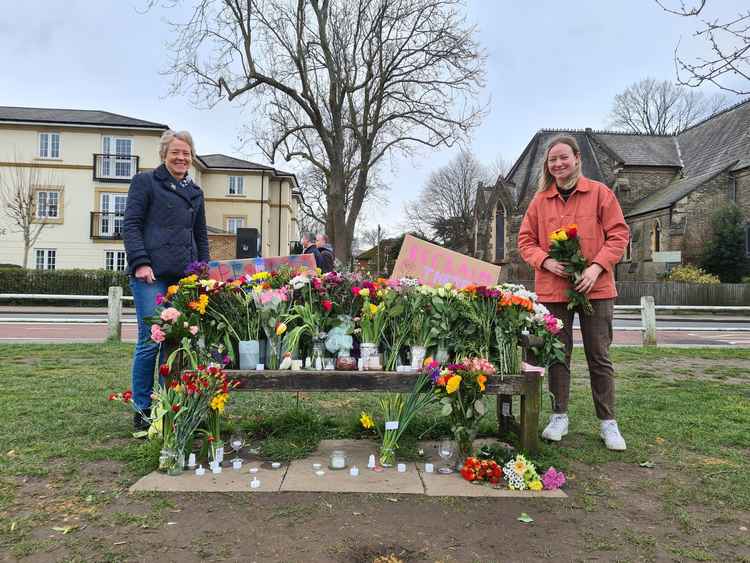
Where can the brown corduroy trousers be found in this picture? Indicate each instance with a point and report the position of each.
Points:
(596, 330)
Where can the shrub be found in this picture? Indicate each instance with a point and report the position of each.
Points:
(689, 273)
(63, 282)
(724, 253)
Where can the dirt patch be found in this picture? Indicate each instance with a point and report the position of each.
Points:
(732, 372)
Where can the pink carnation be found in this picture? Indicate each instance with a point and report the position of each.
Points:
(193, 330)
(170, 315)
(157, 334)
(159, 299)
(553, 479)
(550, 322)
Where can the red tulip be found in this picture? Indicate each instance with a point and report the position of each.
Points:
(327, 305)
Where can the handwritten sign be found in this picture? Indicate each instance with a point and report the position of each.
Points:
(434, 265)
(224, 270)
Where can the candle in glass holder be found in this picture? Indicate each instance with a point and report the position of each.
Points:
(429, 468)
(200, 471)
(191, 461)
(337, 460)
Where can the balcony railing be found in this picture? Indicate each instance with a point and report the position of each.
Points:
(106, 226)
(115, 167)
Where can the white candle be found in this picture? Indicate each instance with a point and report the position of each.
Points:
(253, 470)
(401, 467)
(354, 471)
(254, 484)
(337, 460)
(259, 367)
(429, 468)
(191, 461)
(371, 461)
(216, 469)
(276, 464)
(200, 471)
(237, 465)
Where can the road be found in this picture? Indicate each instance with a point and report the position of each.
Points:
(703, 330)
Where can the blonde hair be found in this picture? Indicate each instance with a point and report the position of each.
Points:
(168, 136)
(545, 177)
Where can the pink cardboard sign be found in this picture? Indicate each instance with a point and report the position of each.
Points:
(434, 265)
(224, 270)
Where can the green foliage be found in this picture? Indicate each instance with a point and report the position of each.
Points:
(74, 282)
(688, 273)
(725, 254)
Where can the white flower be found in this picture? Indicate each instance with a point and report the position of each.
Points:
(298, 282)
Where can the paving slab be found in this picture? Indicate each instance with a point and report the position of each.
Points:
(228, 480)
(302, 477)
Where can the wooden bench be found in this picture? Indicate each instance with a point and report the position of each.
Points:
(527, 385)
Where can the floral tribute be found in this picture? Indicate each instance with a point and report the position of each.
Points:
(565, 247)
(477, 470)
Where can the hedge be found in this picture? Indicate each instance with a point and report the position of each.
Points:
(64, 282)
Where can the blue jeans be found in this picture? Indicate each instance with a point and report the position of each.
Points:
(146, 350)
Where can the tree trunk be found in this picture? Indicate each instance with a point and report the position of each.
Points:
(336, 216)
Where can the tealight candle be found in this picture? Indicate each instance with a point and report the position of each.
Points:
(354, 471)
(191, 461)
(320, 472)
(253, 470)
(255, 484)
(200, 471)
(276, 464)
(317, 466)
(337, 460)
(237, 464)
(216, 469)
(371, 461)
(429, 468)
(401, 467)
(259, 367)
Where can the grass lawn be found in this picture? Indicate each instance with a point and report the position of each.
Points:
(686, 411)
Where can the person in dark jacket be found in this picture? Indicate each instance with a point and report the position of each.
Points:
(164, 230)
(308, 247)
(327, 256)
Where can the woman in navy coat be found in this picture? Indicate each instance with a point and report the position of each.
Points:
(164, 230)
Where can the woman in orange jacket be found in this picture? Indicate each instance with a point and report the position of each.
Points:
(566, 197)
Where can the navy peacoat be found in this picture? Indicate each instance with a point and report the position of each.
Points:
(164, 224)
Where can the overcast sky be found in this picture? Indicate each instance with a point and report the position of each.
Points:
(550, 64)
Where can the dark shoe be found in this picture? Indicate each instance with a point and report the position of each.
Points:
(141, 423)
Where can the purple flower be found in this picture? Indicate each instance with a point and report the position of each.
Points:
(200, 269)
(553, 479)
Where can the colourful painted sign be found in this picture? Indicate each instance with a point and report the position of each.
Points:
(434, 265)
(224, 270)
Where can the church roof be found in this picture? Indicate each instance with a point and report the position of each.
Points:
(641, 150)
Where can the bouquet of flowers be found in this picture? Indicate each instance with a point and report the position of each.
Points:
(477, 470)
(180, 312)
(271, 305)
(397, 414)
(565, 247)
(460, 389)
(521, 475)
(479, 304)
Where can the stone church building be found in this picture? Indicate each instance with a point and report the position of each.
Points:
(668, 187)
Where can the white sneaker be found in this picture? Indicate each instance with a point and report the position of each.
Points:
(610, 433)
(557, 428)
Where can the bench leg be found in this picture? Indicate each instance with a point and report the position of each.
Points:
(506, 423)
(530, 407)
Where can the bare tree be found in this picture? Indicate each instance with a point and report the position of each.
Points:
(18, 198)
(728, 44)
(444, 209)
(339, 83)
(661, 107)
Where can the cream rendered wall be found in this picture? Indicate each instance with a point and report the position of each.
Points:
(74, 172)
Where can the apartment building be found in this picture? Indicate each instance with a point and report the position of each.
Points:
(80, 163)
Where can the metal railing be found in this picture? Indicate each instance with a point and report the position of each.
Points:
(106, 226)
(115, 298)
(115, 167)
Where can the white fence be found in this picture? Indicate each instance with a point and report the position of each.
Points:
(115, 298)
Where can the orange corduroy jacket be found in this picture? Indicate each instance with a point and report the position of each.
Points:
(601, 229)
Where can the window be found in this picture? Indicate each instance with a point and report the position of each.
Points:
(115, 260)
(117, 161)
(49, 145)
(46, 258)
(629, 250)
(234, 223)
(112, 207)
(47, 204)
(500, 234)
(656, 237)
(236, 185)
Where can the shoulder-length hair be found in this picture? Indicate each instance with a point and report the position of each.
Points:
(168, 136)
(545, 177)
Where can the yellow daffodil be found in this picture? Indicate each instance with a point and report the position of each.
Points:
(364, 292)
(260, 276)
(199, 305)
(189, 279)
(219, 401)
(453, 384)
(373, 308)
(366, 420)
(536, 485)
(559, 235)
(280, 329)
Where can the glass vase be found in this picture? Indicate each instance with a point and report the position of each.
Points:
(508, 355)
(216, 451)
(249, 352)
(387, 456)
(175, 462)
(316, 356)
(418, 354)
(464, 444)
(370, 356)
(273, 352)
(441, 355)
